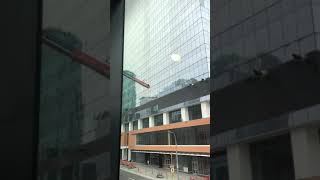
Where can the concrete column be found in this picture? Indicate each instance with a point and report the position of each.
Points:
(205, 109)
(122, 128)
(184, 114)
(239, 163)
(140, 124)
(169, 138)
(130, 126)
(151, 121)
(306, 152)
(123, 154)
(129, 155)
(165, 118)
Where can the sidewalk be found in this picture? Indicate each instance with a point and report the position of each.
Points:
(134, 171)
(152, 171)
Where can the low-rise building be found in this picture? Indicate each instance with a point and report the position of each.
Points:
(149, 137)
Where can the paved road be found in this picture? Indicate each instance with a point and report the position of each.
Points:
(129, 176)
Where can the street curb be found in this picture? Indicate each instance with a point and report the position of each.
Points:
(147, 177)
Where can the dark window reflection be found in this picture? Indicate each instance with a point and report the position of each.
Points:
(219, 166)
(198, 135)
(135, 125)
(272, 155)
(145, 122)
(257, 37)
(74, 92)
(60, 98)
(195, 112)
(175, 116)
(157, 138)
(158, 120)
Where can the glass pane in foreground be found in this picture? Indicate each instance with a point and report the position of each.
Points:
(75, 136)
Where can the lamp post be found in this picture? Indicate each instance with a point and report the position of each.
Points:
(177, 163)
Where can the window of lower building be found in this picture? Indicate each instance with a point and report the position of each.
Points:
(156, 138)
(135, 125)
(198, 135)
(145, 122)
(126, 127)
(175, 116)
(158, 120)
(195, 112)
(203, 134)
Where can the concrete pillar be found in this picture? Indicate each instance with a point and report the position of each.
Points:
(239, 163)
(122, 128)
(306, 152)
(165, 118)
(123, 156)
(130, 126)
(151, 121)
(129, 155)
(169, 138)
(140, 124)
(184, 114)
(205, 109)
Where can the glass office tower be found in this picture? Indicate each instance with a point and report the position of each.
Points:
(155, 31)
(266, 96)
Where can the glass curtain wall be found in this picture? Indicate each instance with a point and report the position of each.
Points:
(158, 31)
